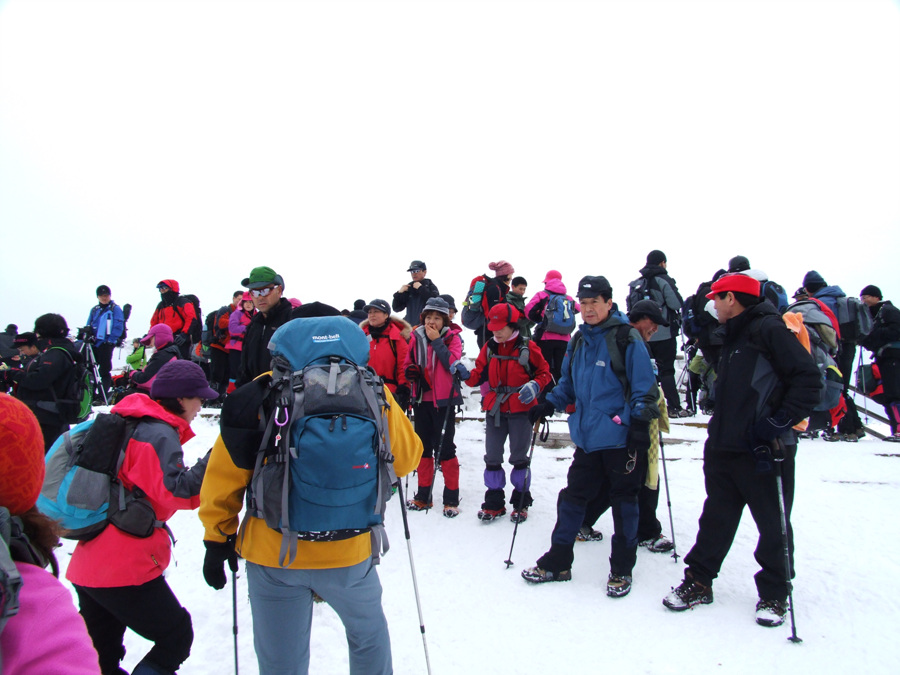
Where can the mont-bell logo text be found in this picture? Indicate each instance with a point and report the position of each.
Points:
(335, 337)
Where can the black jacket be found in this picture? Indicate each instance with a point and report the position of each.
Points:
(255, 356)
(762, 369)
(52, 372)
(886, 329)
(413, 300)
(160, 358)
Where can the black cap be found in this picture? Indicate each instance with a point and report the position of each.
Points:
(874, 291)
(655, 257)
(417, 266)
(649, 309)
(591, 287)
(738, 263)
(103, 289)
(313, 309)
(380, 305)
(450, 301)
(25, 340)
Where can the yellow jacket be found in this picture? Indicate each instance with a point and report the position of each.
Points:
(222, 499)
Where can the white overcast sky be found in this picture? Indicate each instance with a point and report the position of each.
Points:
(336, 141)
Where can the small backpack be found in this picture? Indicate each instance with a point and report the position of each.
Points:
(854, 318)
(559, 315)
(823, 346)
(774, 293)
(81, 487)
(195, 330)
(648, 288)
(474, 311)
(324, 470)
(75, 404)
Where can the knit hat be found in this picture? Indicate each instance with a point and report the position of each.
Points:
(501, 268)
(451, 303)
(103, 289)
(649, 309)
(181, 379)
(380, 305)
(874, 291)
(21, 455)
(552, 274)
(435, 305)
(736, 283)
(260, 277)
(358, 304)
(51, 326)
(655, 257)
(25, 340)
(171, 283)
(502, 315)
(246, 297)
(813, 281)
(591, 287)
(417, 266)
(163, 334)
(738, 263)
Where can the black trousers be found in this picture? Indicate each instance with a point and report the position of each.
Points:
(554, 352)
(649, 526)
(731, 484)
(151, 610)
(663, 352)
(218, 370)
(103, 354)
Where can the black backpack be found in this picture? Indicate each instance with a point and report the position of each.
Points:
(74, 404)
(196, 328)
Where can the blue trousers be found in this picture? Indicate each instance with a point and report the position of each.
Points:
(281, 601)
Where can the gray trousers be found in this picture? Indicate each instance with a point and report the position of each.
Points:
(281, 601)
(517, 428)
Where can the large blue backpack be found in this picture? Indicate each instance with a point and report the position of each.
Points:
(324, 470)
(559, 314)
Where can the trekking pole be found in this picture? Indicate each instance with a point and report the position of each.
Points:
(234, 628)
(662, 456)
(412, 569)
(862, 356)
(440, 446)
(779, 458)
(534, 435)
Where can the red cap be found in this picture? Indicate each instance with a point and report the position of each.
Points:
(501, 315)
(736, 283)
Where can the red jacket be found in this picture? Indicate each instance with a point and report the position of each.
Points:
(154, 463)
(387, 353)
(176, 312)
(508, 372)
(222, 337)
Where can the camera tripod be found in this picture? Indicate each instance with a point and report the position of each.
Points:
(87, 353)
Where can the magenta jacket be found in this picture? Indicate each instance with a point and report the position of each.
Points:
(435, 359)
(237, 328)
(553, 286)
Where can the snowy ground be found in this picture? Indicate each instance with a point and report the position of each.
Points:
(481, 617)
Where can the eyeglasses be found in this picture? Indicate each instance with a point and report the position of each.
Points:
(262, 292)
(631, 463)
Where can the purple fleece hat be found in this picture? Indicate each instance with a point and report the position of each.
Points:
(181, 379)
(162, 333)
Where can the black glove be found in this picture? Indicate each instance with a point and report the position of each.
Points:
(540, 411)
(217, 552)
(401, 396)
(181, 339)
(770, 428)
(413, 372)
(639, 436)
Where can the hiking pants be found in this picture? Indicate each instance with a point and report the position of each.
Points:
(554, 351)
(103, 355)
(663, 352)
(649, 526)
(732, 483)
(151, 610)
(518, 429)
(281, 602)
(218, 370)
(586, 474)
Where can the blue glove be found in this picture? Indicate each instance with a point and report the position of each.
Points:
(529, 391)
(459, 370)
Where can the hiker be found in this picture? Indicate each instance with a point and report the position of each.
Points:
(516, 372)
(412, 296)
(119, 577)
(45, 634)
(159, 338)
(266, 290)
(46, 381)
(219, 362)
(388, 338)
(552, 339)
(107, 322)
(768, 289)
(656, 284)
(237, 328)
(767, 382)
(884, 343)
(340, 568)
(358, 313)
(178, 313)
(434, 351)
(516, 297)
(137, 359)
(614, 402)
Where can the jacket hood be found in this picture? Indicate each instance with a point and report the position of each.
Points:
(141, 405)
(555, 286)
(830, 292)
(652, 271)
(396, 326)
(171, 283)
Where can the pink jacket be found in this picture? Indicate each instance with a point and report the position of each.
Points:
(553, 286)
(434, 359)
(153, 462)
(48, 634)
(237, 328)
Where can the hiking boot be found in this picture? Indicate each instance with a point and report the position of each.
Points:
(618, 585)
(450, 511)
(417, 505)
(893, 439)
(688, 594)
(538, 575)
(658, 544)
(675, 413)
(519, 516)
(770, 613)
(488, 515)
(588, 534)
(832, 437)
(851, 438)
(808, 435)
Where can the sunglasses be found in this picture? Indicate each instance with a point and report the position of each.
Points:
(631, 463)
(262, 292)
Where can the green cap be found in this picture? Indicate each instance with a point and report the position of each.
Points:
(260, 277)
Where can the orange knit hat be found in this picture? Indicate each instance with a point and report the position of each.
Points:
(21, 456)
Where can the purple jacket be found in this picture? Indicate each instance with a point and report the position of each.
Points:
(237, 328)
(553, 286)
